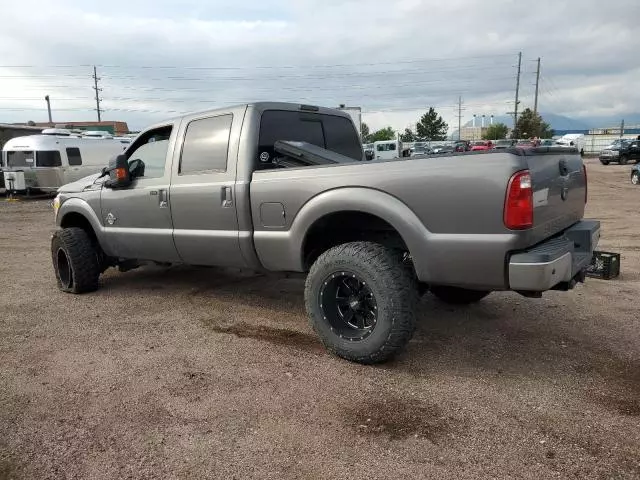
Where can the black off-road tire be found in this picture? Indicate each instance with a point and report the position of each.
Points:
(623, 160)
(635, 178)
(75, 261)
(393, 287)
(458, 296)
(604, 162)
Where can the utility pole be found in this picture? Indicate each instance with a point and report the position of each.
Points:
(515, 110)
(46, 97)
(98, 90)
(535, 103)
(459, 118)
(622, 128)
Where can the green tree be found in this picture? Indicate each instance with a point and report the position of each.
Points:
(432, 126)
(365, 134)
(386, 133)
(532, 125)
(408, 136)
(497, 131)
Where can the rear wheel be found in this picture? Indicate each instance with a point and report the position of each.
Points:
(458, 296)
(635, 178)
(623, 160)
(75, 261)
(361, 300)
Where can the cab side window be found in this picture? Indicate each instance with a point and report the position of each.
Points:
(151, 148)
(206, 143)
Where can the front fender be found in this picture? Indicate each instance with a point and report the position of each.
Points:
(81, 207)
(283, 250)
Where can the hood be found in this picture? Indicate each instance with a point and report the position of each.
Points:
(82, 184)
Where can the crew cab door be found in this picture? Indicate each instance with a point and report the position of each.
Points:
(203, 190)
(137, 219)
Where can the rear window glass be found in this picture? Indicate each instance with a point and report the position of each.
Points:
(341, 136)
(386, 147)
(326, 131)
(20, 159)
(48, 158)
(73, 154)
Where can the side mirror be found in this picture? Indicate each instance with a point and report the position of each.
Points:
(118, 170)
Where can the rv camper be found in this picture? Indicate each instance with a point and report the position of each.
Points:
(48, 161)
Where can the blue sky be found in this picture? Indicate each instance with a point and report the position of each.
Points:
(394, 59)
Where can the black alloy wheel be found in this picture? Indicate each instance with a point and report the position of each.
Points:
(349, 306)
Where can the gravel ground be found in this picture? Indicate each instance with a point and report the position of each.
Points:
(194, 373)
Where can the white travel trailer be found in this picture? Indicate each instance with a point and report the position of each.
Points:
(46, 162)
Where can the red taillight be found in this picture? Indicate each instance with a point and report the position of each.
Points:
(518, 206)
(584, 171)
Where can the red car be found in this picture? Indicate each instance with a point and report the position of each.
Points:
(478, 146)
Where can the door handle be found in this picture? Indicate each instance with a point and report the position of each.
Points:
(163, 201)
(227, 197)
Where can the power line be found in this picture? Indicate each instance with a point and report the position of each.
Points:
(266, 67)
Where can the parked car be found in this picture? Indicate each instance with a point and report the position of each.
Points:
(621, 153)
(482, 145)
(462, 146)
(635, 175)
(420, 149)
(441, 149)
(283, 188)
(504, 143)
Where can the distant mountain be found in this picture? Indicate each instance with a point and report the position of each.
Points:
(632, 119)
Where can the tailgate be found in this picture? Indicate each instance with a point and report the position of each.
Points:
(559, 187)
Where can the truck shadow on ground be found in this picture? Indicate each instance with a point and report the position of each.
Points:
(501, 336)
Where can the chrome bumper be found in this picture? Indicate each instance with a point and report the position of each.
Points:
(556, 262)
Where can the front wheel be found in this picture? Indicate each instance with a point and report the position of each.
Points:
(458, 296)
(75, 261)
(604, 162)
(635, 178)
(361, 300)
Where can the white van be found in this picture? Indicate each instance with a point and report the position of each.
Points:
(388, 149)
(46, 162)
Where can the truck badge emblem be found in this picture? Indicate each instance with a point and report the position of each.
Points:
(264, 157)
(111, 218)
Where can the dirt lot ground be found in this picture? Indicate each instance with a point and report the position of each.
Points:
(194, 373)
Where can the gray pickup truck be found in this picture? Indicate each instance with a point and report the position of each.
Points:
(285, 188)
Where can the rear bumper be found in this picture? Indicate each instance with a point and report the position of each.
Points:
(556, 263)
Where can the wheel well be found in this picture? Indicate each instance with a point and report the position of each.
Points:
(78, 220)
(343, 227)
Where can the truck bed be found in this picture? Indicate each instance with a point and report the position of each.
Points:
(449, 208)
